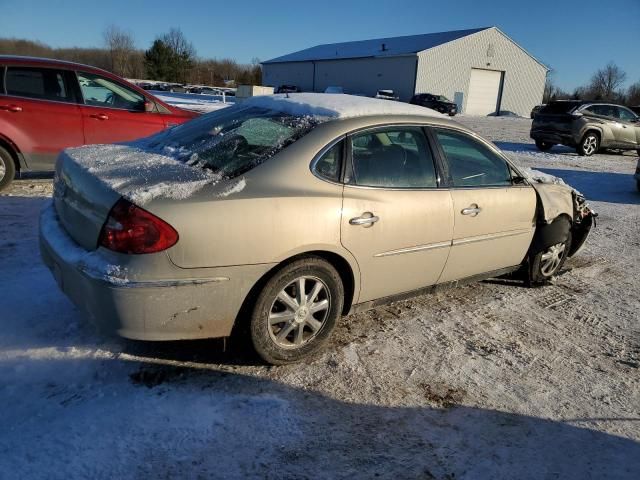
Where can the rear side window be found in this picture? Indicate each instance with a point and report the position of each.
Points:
(397, 157)
(559, 107)
(329, 164)
(471, 164)
(39, 83)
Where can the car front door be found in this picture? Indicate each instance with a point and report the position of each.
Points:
(395, 220)
(629, 134)
(39, 114)
(494, 217)
(113, 112)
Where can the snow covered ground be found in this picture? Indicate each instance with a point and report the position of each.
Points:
(491, 380)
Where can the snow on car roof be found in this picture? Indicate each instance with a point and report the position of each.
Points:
(336, 105)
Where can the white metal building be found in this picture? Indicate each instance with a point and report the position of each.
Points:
(482, 70)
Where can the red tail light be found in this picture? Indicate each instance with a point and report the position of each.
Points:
(131, 229)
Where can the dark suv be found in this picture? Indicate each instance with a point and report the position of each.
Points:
(587, 126)
(439, 103)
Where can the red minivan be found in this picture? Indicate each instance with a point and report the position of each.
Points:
(48, 105)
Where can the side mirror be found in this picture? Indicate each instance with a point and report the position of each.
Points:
(149, 106)
(518, 180)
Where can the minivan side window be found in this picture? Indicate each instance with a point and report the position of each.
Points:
(395, 157)
(472, 164)
(99, 91)
(38, 83)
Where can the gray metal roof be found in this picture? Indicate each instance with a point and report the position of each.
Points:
(393, 46)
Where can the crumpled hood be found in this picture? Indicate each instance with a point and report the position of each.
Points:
(556, 197)
(138, 174)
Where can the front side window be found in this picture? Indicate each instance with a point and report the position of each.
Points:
(231, 141)
(397, 157)
(626, 115)
(39, 83)
(99, 91)
(472, 164)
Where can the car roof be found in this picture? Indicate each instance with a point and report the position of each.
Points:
(25, 60)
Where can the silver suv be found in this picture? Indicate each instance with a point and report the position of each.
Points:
(587, 126)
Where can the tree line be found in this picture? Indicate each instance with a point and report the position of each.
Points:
(170, 58)
(606, 84)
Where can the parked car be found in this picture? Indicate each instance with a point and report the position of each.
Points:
(287, 89)
(637, 175)
(334, 89)
(387, 95)
(47, 105)
(439, 103)
(536, 109)
(268, 219)
(586, 126)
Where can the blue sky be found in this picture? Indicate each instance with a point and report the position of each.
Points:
(573, 37)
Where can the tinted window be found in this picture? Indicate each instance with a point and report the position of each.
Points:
(559, 107)
(103, 92)
(471, 164)
(230, 141)
(329, 164)
(397, 157)
(41, 83)
(624, 114)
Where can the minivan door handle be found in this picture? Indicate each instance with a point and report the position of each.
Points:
(100, 116)
(367, 219)
(11, 108)
(472, 210)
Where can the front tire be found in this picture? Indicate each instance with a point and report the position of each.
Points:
(544, 146)
(296, 311)
(543, 265)
(589, 145)
(7, 169)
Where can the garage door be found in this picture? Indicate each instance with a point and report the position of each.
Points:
(484, 89)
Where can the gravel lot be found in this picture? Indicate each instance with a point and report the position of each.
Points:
(492, 380)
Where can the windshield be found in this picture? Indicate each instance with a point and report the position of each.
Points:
(231, 141)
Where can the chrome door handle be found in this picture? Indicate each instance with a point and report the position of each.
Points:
(472, 210)
(99, 116)
(367, 219)
(11, 108)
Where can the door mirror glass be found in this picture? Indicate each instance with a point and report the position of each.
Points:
(472, 164)
(100, 91)
(397, 157)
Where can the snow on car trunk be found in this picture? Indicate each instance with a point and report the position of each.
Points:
(89, 180)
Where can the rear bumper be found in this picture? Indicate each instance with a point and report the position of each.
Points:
(163, 309)
(557, 138)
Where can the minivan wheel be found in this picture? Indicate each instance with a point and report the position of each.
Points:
(7, 169)
(589, 145)
(544, 146)
(545, 264)
(296, 311)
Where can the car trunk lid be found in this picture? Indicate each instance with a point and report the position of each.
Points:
(91, 179)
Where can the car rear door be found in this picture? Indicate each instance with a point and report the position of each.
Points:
(39, 114)
(113, 112)
(494, 217)
(396, 221)
(629, 133)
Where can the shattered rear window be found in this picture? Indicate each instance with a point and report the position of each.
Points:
(232, 141)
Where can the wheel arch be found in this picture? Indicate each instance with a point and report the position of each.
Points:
(348, 275)
(13, 150)
(550, 233)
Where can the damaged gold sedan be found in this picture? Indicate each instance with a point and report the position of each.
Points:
(279, 215)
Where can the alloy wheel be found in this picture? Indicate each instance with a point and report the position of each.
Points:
(3, 168)
(299, 312)
(551, 259)
(590, 144)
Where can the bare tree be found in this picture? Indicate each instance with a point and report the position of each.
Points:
(606, 82)
(633, 94)
(121, 47)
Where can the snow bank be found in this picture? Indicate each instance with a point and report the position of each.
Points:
(140, 175)
(91, 263)
(330, 106)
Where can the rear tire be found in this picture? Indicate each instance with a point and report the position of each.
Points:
(589, 144)
(289, 323)
(543, 265)
(7, 169)
(544, 146)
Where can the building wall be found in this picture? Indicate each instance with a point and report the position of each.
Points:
(446, 70)
(292, 73)
(361, 75)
